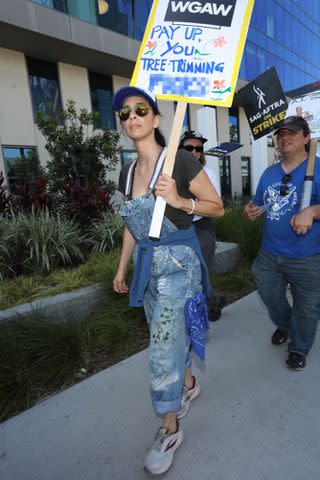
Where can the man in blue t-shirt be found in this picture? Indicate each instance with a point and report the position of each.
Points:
(290, 250)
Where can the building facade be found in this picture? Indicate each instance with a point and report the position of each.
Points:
(55, 50)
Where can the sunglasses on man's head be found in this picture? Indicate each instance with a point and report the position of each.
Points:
(284, 189)
(190, 148)
(141, 109)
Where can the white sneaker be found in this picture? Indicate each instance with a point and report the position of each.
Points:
(188, 394)
(160, 457)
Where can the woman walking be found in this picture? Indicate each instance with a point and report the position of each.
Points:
(169, 272)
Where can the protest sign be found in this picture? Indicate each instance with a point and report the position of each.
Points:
(308, 106)
(223, 149)
(300, 91)
(191, 50)
(264, 103)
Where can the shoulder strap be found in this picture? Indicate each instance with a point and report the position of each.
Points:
(157, 169)
(155, 175)
(129, 178)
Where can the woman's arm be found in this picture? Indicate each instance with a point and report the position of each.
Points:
(119, 281)
(208, 203)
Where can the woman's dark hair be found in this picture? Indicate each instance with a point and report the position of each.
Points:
(159, 138)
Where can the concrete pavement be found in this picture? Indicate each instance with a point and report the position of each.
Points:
(254, 419)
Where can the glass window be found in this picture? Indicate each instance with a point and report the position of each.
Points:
(21, 163)
(44, 86)
(127, 157)
(118, 17)
(56, 4)
(225, 176)
(270, 26)
(85, 10)
(246, 176)
(101, 98)
(270, 140)
(234, 126)
(141, 9)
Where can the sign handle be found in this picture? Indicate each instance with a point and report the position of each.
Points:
(308, 179)
(160, 205)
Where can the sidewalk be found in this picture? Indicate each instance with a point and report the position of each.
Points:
(254, 419)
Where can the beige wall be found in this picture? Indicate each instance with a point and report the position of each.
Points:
(16, 117)
(74, 84)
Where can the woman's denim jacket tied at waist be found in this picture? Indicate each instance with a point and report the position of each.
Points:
(143, 263)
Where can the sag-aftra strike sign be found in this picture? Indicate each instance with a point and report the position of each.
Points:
(191, 50)
(264, 102)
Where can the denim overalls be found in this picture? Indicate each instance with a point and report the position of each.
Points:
(174, 277)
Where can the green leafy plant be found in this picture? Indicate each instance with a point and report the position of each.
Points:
(233, 227)
(106, 233)
(38, 243)
(52, 350)
(27, 168)
(80, 153)
(4, 196)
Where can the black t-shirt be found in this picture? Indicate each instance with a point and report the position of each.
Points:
(186, 167)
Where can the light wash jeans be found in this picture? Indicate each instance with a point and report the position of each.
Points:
(272, 274)
(175, 277)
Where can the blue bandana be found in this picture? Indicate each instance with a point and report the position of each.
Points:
(197, 322)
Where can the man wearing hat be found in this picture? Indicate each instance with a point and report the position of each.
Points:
(290, 250)
(193, 141)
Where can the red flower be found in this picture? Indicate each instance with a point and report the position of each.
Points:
(40, 184)
(67, 187)
(218, 84)
(219, 42)
(151, 44)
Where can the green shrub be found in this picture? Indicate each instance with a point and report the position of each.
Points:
(233, 227)
(99, 268)
(52, 350)
(17, 390)
(19, 290)
(39, 356)
(37, 243)
(106, 233)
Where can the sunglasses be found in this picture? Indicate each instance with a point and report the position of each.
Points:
(190, 148)
(284, 189)
(139, 109)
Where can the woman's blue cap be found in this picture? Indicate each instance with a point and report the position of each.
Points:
(124, 92)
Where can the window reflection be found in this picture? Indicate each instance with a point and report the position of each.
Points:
(281, 34)
(118, 17)
(246, 176)
(56, 4)
(101, 98)
(234, 126)
(21, 164)
(225, 176)
(44, 86)
(85, 10)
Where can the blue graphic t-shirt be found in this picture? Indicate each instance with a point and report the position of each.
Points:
(278, 236)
